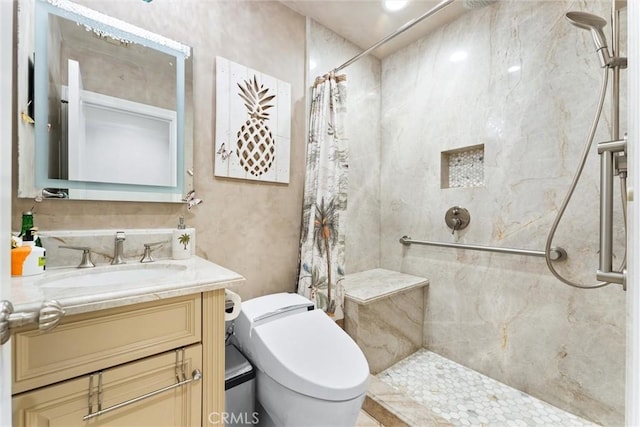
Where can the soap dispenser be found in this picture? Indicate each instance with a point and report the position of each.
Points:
(28, 259)
(182, 242)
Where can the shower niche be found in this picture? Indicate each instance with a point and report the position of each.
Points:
(462, 167)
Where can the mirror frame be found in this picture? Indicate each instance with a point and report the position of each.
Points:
(119, 30)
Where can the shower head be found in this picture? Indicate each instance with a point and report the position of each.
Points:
(594, 24)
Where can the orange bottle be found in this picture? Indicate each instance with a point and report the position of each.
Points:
(18, 258)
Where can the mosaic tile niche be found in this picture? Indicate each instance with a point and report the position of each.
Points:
(463, 167)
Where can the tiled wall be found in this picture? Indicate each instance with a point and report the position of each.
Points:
(526, 92)
(465, 167)
(505, 315)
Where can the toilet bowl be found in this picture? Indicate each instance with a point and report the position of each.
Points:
(309, 371)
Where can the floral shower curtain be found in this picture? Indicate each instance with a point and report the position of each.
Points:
(322, 239)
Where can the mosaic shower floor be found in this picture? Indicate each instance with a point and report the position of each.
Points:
(465, 397)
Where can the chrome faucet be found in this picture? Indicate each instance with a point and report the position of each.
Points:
(86, 255)
(146, 257)
(118, 248)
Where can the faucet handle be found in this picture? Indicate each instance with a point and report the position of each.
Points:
(146, 257)
(86, 255)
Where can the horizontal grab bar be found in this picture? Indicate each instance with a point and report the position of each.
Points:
(557, 253)
(196, 376)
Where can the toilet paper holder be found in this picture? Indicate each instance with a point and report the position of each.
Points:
(232, 305)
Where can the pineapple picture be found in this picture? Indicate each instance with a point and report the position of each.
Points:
(253, 124)
(256, 149)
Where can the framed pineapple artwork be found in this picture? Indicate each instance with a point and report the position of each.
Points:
(253, 124)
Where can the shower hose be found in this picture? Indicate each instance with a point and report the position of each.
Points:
(572, 187)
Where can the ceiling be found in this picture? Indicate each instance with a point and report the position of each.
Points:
(365, 22)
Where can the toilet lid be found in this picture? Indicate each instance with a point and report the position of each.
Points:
(254, 309)
(310, 354)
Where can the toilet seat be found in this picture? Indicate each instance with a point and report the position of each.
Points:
(309, 354)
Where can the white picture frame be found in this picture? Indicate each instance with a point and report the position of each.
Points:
(253, 124)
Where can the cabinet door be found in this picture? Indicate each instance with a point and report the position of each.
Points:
(65, 404)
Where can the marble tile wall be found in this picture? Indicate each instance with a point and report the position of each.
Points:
(466, 168)
(387, 330)
(527, 89)
(101, 243)
(384, 314)
(251, 228)
(502, 315)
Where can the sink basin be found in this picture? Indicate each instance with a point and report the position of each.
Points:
(112, 275)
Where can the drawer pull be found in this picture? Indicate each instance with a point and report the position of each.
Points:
(196, 376)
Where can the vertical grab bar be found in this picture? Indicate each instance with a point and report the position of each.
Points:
(607, 151)
(606, 212)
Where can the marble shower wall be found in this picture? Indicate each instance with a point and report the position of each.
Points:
(251, 228)
(326, 51)
(519, 79)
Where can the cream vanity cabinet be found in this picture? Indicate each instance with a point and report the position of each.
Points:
(158, 363)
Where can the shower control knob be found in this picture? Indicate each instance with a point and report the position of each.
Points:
(457, 218)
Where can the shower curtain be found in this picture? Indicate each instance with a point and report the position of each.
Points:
(322, 237)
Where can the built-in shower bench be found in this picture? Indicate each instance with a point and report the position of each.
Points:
(384, 314)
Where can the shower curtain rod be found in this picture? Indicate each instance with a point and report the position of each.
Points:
(437, 8)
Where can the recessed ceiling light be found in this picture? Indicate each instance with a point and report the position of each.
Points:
(458, 56)
(513, 69)
(393, 5)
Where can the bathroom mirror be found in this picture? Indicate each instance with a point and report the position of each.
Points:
(106, 107)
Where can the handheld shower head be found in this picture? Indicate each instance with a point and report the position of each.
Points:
(594, 24)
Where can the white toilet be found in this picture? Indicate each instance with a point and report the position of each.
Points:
(309, 371)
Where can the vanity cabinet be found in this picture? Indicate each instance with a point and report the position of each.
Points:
(96, 360)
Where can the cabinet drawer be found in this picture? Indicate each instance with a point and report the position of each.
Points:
(65, 404)
(88, 342)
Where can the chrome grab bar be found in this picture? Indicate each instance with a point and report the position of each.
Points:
(308, 306)
(196, 376)
(48, 317)
(557, 253)
(608, 152)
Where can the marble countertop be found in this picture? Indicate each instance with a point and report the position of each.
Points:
(183, 277)
(371, 285)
